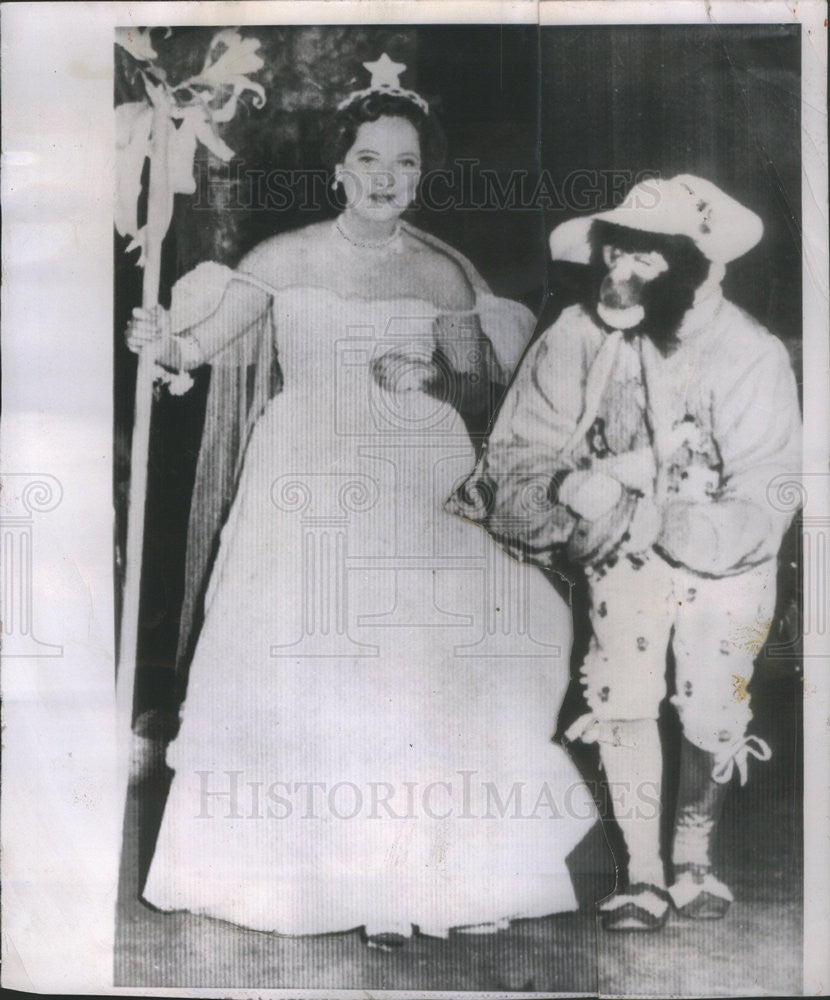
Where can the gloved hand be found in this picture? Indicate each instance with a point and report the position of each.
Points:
(146, 327)
(635, 469)
(404, 371)
(149, 329)
(590, 494)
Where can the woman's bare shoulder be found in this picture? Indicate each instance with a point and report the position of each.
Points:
(287, 258)
(440, 274)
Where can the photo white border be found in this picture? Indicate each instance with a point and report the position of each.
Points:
(63, 791)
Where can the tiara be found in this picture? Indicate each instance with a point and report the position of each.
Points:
(385, 80)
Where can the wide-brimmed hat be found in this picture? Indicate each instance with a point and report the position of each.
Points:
(721, 228)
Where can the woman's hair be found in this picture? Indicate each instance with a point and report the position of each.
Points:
(345, 123)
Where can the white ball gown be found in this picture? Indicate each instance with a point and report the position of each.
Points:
(366, 737)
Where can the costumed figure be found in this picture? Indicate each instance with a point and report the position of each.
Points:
(373, 685)
(638, 441)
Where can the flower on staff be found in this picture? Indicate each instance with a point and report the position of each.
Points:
(230, 59)
(133, 123)
(196, 106)
(177, 383)
(137, 42)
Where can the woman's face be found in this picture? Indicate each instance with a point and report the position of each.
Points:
(380, 172)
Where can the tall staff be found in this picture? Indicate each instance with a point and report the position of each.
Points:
(146, 131)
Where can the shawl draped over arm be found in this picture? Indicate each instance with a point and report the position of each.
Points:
(244, 376)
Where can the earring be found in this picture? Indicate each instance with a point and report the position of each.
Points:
(338, 179)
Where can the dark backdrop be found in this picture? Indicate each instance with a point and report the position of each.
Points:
(722, 102)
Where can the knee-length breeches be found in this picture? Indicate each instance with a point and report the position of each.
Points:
(716, 628)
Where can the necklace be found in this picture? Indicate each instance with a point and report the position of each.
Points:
(369, 244)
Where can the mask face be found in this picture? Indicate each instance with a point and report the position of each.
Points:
(380, 172)
(621, 292)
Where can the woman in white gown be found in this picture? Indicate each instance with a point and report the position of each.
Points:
(365, 740)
